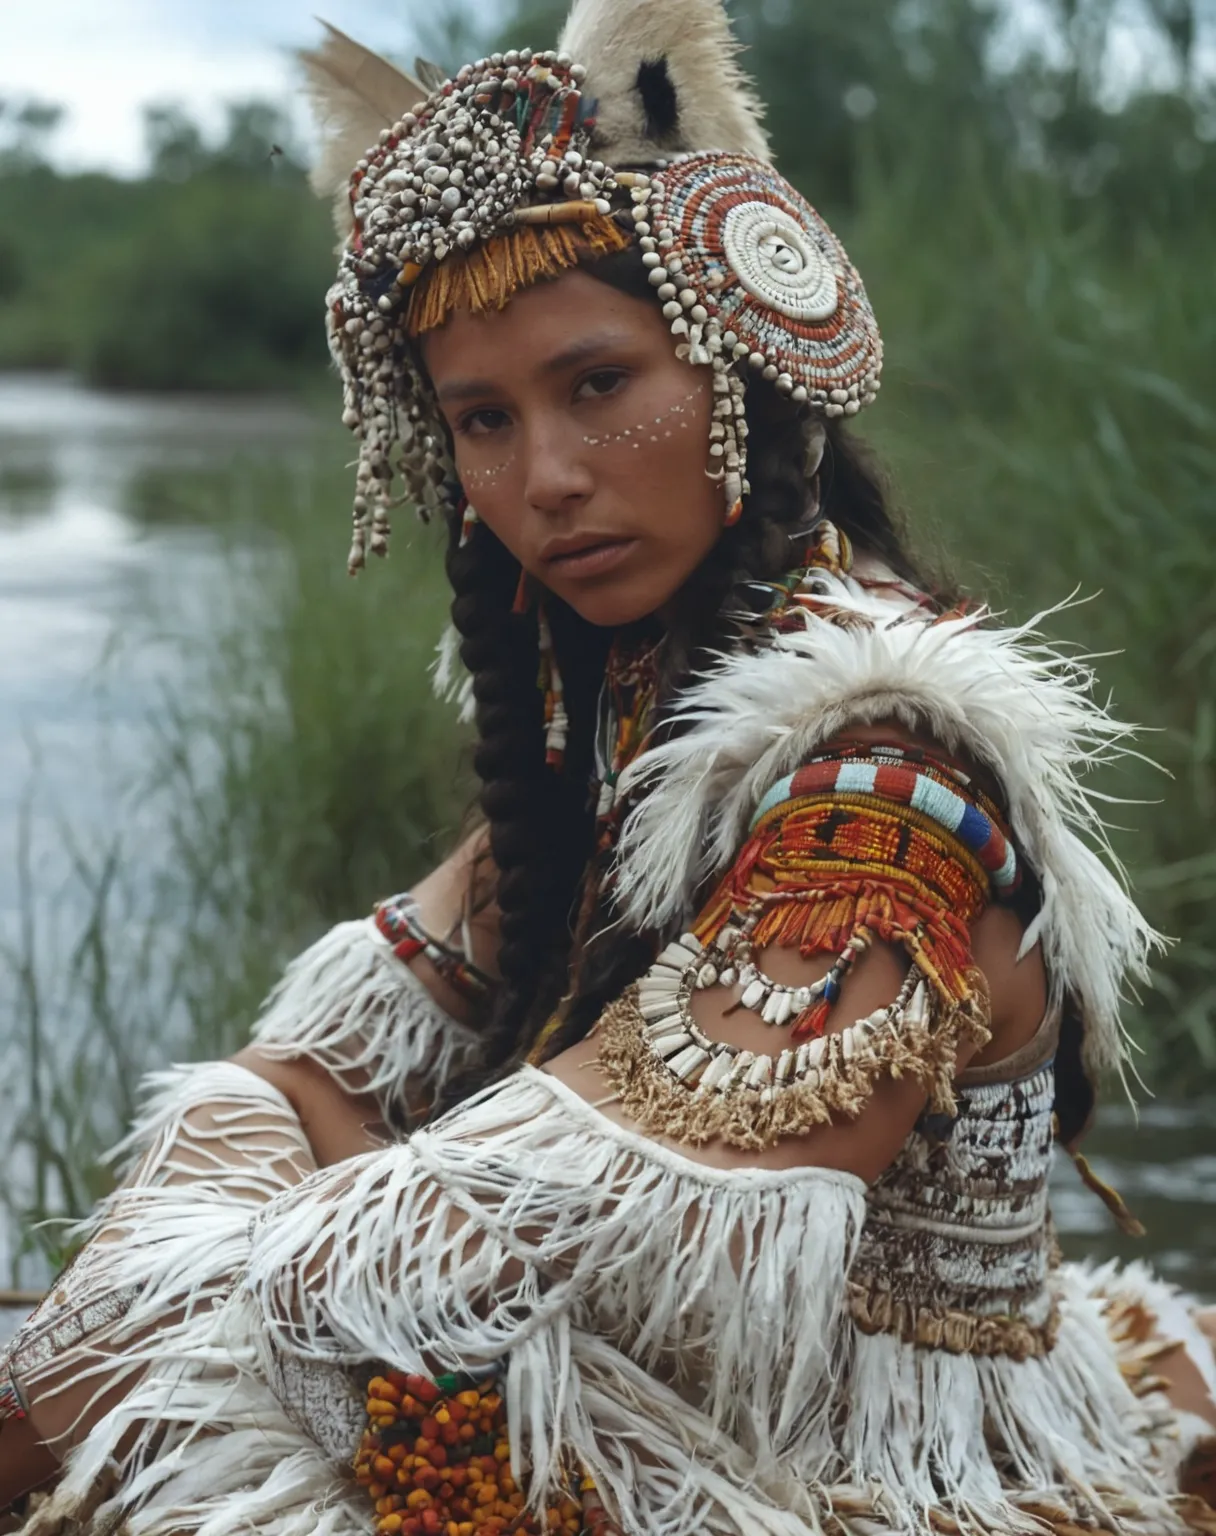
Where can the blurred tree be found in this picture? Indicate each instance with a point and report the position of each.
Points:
(449, 33)
(174, 143)
(221, 286)
(1179, 20)
(258, 133)
(12, 266)
(26, 130)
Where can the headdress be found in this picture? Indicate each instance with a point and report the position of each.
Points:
(640, 128)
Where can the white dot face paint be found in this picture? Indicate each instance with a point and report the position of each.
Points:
(674, 419)
(664, 427)
(478, 479)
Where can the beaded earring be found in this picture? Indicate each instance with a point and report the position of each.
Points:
(549, 676)
(549, 680)
(468, 521)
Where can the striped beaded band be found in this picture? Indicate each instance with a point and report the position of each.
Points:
(809, 844)
(913, 787)
(12, 1401)
(399, 924)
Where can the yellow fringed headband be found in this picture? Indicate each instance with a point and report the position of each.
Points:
(489, 276)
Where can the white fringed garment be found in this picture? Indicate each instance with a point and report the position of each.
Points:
(213, 1144)
(680, 1332)
(351, 1005)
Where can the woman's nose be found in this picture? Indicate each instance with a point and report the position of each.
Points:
(557, 470)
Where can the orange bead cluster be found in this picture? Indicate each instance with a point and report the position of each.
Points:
(436, 1461)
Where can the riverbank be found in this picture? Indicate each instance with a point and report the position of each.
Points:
(218, 746)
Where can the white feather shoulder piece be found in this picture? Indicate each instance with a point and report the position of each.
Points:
(1003, 697)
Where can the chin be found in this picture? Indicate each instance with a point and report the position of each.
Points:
(614, 607)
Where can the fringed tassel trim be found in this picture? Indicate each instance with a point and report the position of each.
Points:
(489, 276)
(840, 1086)
(214, 1144)
(960, 1441)
(875, 1308)
(351, 1005)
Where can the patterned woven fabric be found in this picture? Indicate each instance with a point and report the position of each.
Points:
(956, 1250)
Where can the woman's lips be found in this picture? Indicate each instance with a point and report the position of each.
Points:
(591, 559)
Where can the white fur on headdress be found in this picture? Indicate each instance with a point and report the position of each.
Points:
(666, 78)
(355, 95)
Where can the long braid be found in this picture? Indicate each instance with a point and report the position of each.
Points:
(539, 822)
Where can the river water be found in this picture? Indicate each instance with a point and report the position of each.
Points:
(81, 549)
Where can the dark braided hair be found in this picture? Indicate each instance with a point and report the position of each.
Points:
(541, 822)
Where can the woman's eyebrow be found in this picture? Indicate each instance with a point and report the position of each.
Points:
(587, 346)
(569, 357)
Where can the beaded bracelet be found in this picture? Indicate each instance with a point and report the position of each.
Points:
(12, 1400)
(399, 922)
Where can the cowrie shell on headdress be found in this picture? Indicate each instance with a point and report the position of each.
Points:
(778, 264)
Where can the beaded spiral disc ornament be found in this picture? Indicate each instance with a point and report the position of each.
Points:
(751, 262)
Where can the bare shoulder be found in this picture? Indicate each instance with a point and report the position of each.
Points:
(867, 918)
(338, 1123)
(1017, 987)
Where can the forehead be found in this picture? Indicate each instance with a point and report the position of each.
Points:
(542, 323)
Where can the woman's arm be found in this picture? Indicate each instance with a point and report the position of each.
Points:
(319, 1088)
(867, 1144)
(217, 1144)
(846, 856)
(339, 1114)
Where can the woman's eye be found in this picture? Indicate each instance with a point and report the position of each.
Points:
(481, 423)
(603, 382)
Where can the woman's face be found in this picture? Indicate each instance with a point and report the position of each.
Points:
(582, 441)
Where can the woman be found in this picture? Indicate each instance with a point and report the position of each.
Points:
(738, 1222)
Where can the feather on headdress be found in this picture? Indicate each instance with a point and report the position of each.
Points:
(355, 94)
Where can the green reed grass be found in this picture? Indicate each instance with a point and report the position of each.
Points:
(299, 769)
(1053, 427)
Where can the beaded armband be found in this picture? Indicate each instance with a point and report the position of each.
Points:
(399, 923)
(436, 1461)
(874, 843)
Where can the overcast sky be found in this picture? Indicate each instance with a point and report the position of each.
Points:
(104, 60)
